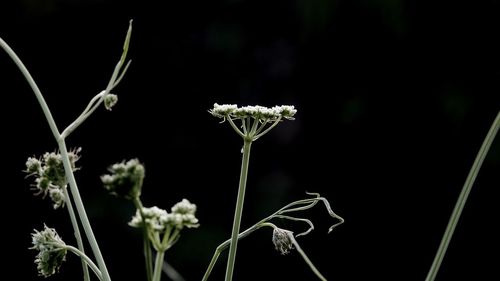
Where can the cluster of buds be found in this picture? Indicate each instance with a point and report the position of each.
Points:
(262, 113)
(51, 251)
(160, 222)
(110, 100)
(125, 179)
(50, 176)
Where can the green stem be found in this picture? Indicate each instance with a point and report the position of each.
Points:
(304, 256)
(76, 229)
(160, 255)
(148, 256)
(226, 244)
(239, 208)
(55, 133)
(86, 259)
(459, 206)
(34, 87)
(81, 210)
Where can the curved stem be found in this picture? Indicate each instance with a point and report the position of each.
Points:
(459, 206)
(239, 209)
(87, 260)
(55, 133)
(34, 87)
(235, 127)
(81, 210)
(91, 107)
(268, 129)
(76, 229)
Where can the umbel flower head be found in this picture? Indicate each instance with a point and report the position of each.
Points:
(125, 179)
(159, 222)
(49, 174)
(51, 251)
(261, 113)
(156, 219)
(254, 119)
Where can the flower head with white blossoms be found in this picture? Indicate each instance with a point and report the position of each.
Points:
(49, 174)
(51, 251)
(125, 179)
(255, 120)
(159, 222)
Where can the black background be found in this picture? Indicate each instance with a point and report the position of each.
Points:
(394, 99)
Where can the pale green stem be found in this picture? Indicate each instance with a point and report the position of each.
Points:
(55, 133)
(81, 210)
(76, 229)
(160, 255)
(459, 206)
(268, 129)
(247, 143)
(226, 243)
(148, 256)
(304, 256)
(231, 122)
(34, 87)
(86, 259)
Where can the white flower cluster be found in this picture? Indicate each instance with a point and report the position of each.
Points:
(51, 251)
(257, 112)
(50, 177)
(125, 179)
(156, 219)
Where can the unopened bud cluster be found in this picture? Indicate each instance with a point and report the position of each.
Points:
(51, 251)
(49, 174)
(158, 220)
(125, 179)
(163, 228)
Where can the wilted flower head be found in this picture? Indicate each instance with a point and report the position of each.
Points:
(125, 179)
(282, 241)
(51, 251)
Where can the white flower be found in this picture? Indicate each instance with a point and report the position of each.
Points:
(262, 113)
(223, 110)
(51, 251)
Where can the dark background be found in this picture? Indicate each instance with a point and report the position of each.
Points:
(394, 99)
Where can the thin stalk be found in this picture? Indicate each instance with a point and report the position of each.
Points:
(160, 255)
(304, 256)
(55, 132)
(459, 206)
(239, 208)
(148, 256)
(81, 210)
(76, 229)
(86, 259)
(34, 87)
(226, 244)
